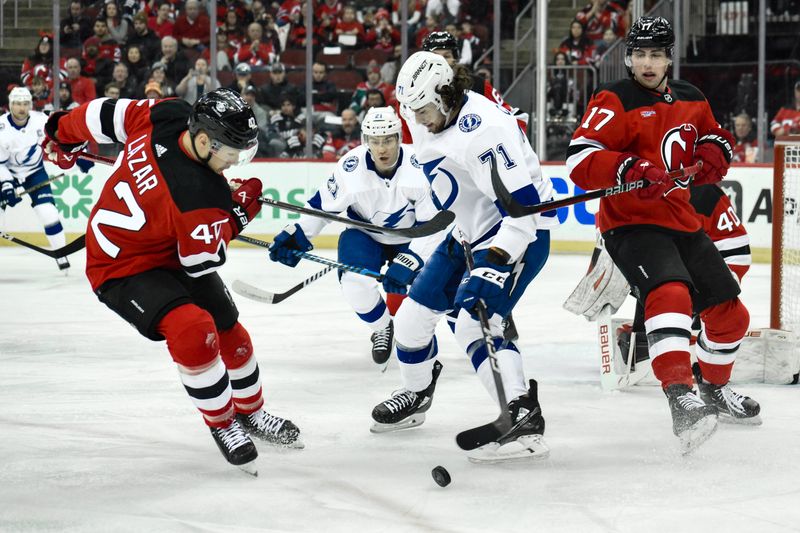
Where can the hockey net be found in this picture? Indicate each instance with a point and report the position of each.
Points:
(785, 298)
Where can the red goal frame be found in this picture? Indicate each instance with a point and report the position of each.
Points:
(777, 227)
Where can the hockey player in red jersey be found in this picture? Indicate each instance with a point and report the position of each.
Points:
(641, 128)
(159, 232)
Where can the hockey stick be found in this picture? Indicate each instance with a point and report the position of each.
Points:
(36, 187)
(517, 210)
(259, 295)
(317, 259)
(434, 225)
(476, 437)
(71, 248)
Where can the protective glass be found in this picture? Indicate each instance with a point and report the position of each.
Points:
(233, 156)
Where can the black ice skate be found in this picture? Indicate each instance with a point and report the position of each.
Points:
(382, 341)
(405, 409)
(272, 429)
(63, 264)
(236, 446)
(693, 421)
(510, 329)
(524, 440)
(734, 408)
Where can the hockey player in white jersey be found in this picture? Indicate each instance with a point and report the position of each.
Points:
(22, 167)
(458, 136)
(379, 182)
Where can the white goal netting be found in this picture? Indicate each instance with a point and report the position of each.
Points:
(786, 236)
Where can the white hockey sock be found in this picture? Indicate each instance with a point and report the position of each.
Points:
(48, 216)
(365, 298)
(210, 390)
(246, 386)
(416, 377)
(510, 363)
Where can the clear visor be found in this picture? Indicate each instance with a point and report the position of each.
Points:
(233, 156)
(376, 142)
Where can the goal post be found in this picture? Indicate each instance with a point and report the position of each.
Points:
(785, 284)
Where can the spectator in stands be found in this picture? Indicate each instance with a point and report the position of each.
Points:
(65, 101)
(175, 61)
(267, 22)
(243, 75)
(250, 95)
(75, 27)
(332, 8)
(153, 90)
(385, 42)
(117, 26)
(465, 56)
(225, 52)
(287, 12)
(279, 88)
(415, 9)
(746, 149)
(138, 66)
(577, 46)
(158, 75)
(787, 120)
(484, 72)
(100, 52)
(382, 26)
(233, 28)
(238, 6)
(560, 87)
(349, 31)
(474, 41)
(197, 82)
(324, 93)
(257, 13)
(285, 128)
(325, 30)
(599, 15)
(42, 97)
(255, 51)
(142, 36)
(192, 27)
(297, 33)
(162, 24)
(344, 138)
(126, 84)
(40, 63)
(391, 67)
(374, 81)
(445, 10)
(431, 25)
(375, 98)
(609, 38)
(111, 90)
(82, 89)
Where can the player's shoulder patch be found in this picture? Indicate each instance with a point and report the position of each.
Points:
(350, 164)
(333, 186)
(414, 161)
(469, 122)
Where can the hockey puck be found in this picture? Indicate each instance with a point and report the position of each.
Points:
(441, 476)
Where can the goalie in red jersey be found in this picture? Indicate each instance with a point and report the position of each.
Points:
(159, 232)
(641, 128)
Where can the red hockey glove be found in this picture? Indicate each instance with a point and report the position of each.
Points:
(715, 149)
(245, 202)
(63, 155)
(631, 168)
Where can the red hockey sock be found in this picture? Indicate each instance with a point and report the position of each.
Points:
(236, 349)
(393, 301)
(724, 327)
(668, 322)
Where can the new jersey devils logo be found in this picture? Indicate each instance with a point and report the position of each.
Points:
(677, 151)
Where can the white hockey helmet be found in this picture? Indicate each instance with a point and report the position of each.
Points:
(20, 94)
(379, 122)
(420, 77)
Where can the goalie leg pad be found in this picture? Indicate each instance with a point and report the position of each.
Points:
(602, 285)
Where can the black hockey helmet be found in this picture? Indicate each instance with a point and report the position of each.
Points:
(226, 118)
(440, 40)
(650, 32)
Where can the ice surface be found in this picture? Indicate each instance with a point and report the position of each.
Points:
(97, 433)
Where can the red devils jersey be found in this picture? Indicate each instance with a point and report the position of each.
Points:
(159, 208)
(625, 118)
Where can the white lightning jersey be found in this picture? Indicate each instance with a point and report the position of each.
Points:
(20, 150)
(457, 163)
(357, 190)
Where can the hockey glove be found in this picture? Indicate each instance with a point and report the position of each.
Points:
(631, 168)
(62, 154)
(9, 193)
(404, 268)
(291, 238)
(715, 149)
(245, 202)
(485, 282)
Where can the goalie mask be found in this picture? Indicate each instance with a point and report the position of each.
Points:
(380, 133)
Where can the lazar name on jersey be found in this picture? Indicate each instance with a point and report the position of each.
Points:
(457, 162)
(20, 150)
(355, 187)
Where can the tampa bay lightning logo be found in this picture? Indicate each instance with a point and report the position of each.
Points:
(415, 161)
(350, 163)
(469, 122)
(443, 183)
(333, 187)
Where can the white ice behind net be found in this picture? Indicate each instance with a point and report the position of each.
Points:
(790, 240)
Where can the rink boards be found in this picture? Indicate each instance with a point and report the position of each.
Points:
(750, 187)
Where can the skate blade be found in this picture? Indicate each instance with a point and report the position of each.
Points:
(701, 431)
(734, 421)
(411, 422)
(249, 468)
(525, 448)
